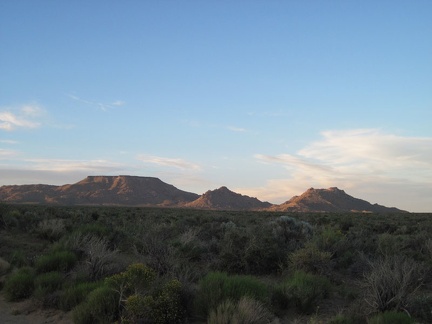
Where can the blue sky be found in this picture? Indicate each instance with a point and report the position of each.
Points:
(268, 98)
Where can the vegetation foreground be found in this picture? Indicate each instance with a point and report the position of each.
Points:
(150, 265)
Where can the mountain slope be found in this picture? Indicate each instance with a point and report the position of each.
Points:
(330, 200)
(101, 190)
(225, 199)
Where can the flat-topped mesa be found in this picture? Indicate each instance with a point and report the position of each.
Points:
(126, 190)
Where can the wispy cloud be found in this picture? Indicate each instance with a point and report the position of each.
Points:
(12, 142)
(170, 162)
(63, 165)
(100, 105)
(25, 116)
(237, 129)
(362, 160)
(5, 154)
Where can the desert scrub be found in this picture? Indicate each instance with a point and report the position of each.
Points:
(19, 259)
(420, 307)
(100, 259)
(391, 318)
(165, 306)
(47, 283)
(20, 285)
(216, 287)
(75, 294)
(51, 229)
(305, 290)
(245, 311)
(310, 259)
(390, 282)
(56, 261)
(137, 279)
(100, 306)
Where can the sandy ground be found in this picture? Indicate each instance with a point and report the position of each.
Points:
(25, 312)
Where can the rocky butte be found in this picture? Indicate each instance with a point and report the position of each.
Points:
(148, 191)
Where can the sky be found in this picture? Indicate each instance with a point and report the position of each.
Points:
(268, 98)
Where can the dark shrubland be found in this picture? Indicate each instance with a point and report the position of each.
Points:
(150, 265)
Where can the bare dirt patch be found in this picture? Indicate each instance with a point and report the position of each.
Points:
(27, 312)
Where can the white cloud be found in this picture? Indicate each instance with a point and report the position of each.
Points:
(4, 154)
(24, 117)
(60, 165)
(362, 160)
(102, 106)
(237, 129)
(170, 162)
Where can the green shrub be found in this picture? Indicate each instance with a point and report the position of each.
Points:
(306, 290)
(245, 311)
(216, 287)
(137, 307)
(20, 284)
(19, 259)
(47, 283)
(165, 305)
(101, 306)
(389, 244)
(56, 261)
(137, 279)
(341, 319)
(330, 239)
(310, 259)
(391, 318)
(76, 294)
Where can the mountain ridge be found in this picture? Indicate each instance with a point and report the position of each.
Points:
(126, 190)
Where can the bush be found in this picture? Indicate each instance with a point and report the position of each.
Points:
(101, 306)
(245, 311)
(306, 290)
(341, 319)
(19, 259)
(51, 229)
(165, 305)
(76, 294)
(47, 283)
(20, 285)
(390, 283)
(100, 259)
(216, 287)
(137, 279)
(310, 259)
(391, 318)
(420, 308)
(56, 261)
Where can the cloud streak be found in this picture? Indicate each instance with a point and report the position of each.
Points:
(170, 162)
(362, 160)
(100, 105)
(24, 117)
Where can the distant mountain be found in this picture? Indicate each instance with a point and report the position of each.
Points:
(225, 199)
(101, 190)
(148, 191)
(330, 200)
